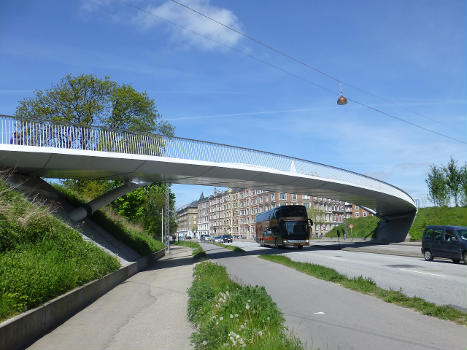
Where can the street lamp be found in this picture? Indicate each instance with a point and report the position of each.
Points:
(341, 100)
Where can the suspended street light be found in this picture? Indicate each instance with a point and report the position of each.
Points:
(341, 100)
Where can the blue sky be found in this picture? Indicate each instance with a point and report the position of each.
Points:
(412, 53)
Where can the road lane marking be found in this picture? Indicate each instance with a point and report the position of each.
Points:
(424, 273)
(319, 313)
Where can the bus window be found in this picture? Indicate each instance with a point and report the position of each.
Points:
(295, 227)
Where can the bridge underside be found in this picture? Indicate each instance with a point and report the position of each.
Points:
(397, 213)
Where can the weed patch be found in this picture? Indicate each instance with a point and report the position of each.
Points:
(230, 316)
(368, 286)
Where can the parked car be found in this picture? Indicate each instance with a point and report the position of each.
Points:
(226, 239)
(445, 242)
(206, 238)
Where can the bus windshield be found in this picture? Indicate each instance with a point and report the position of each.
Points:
(292, 211)
(293, 228)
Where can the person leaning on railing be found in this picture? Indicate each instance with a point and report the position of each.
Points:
(16, 139)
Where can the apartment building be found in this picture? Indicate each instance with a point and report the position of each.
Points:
(234, 211)
(187, 220)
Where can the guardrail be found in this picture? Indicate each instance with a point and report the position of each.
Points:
(44, 133)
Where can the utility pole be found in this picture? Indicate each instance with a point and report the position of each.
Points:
(167, 217)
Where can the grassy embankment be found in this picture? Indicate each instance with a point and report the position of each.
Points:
(40, 256)
(368, 286)
(363, 227)
(198, 252)
(437, 216)
(230, 316)
(126, 232)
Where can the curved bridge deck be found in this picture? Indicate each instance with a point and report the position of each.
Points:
(55, 150)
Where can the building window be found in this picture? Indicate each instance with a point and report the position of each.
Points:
(282, 197)
(305, 196)
(307, 205)
(364, 213)
(294, 197)
(357, 215)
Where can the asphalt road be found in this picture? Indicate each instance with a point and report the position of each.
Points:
(440, 281)
(324, 315)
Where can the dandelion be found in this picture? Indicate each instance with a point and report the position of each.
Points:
(260, 333)
(249, 300)
(231, 316)
(236, 315)
(205, 342)
(221, 318)
(247, 306)
(268, 318)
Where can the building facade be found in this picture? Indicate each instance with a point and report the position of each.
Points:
(234, 211)
(187, 220)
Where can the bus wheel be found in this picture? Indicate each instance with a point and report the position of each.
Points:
(275, 244)
(300, 247)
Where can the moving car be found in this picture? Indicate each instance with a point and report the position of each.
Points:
(227, 239)
(218, 239)
(445, 242)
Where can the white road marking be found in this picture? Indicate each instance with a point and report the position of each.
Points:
(424, 273)
(319, 313)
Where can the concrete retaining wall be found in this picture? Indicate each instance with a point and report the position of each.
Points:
(22, 330)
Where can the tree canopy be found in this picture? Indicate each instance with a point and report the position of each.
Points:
(446, 183)
(89, 100)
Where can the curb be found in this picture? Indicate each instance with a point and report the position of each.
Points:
(22, 330)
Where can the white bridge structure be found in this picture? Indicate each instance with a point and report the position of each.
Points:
(58, 150)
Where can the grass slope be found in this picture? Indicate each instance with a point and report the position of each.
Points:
(230, 316)
(437, 216)
(368, 286)
(119, 227)
(40, 256)
(363, 227)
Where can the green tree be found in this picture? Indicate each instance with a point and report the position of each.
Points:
(438, 191)
(88, 100)
(463, 194)
(453, 176)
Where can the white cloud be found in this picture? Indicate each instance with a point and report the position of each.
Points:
(191, 28)
(94, 5)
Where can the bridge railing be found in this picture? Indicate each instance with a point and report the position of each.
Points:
(44, 133)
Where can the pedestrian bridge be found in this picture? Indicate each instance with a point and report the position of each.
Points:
(58, 150)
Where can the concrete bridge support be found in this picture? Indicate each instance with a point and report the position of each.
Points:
(393, 229)
(80, 213)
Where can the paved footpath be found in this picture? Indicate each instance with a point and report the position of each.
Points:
(147, 311)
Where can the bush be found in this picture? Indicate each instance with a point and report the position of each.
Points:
(40, 256)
